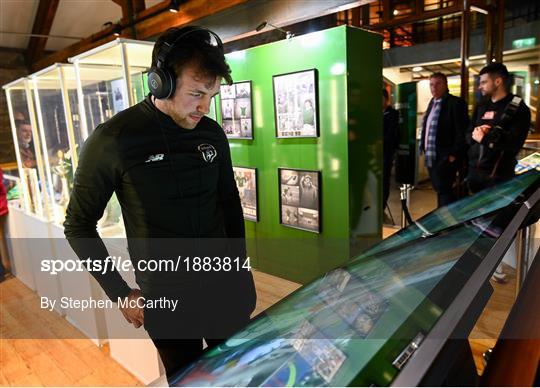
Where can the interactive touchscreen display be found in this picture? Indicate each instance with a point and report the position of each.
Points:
(350, 326)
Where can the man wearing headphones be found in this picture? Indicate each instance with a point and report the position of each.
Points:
(170, 167)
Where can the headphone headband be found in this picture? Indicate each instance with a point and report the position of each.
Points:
(161, 78)
(167, 47)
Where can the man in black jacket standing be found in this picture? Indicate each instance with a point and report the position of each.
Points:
(443, 137)
(170, 168)
(499, 128)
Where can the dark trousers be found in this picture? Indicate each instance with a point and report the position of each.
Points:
(213, 306)
(443, 176)
(176, 354)
(388, 161)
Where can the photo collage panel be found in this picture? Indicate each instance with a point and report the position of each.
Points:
(236, 116)
(300, 199)
(295, 104)
(246, 182)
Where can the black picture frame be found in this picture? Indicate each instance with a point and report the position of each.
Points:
(291, 93)
(298, 208)
(250, 205)
(236, 110)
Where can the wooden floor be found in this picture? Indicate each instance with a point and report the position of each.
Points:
(487, 329)
(73, 362)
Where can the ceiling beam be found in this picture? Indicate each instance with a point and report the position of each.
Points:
(130, 8)
(189, 12)
(42, 26)
(94, 40)
(148, 23)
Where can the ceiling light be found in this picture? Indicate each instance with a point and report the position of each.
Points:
(396, 12)
(174, 6)
(417, 68)
(117, 30)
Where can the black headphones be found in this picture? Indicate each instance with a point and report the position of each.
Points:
(162, 78)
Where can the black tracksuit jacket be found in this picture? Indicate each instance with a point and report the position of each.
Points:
(494, 160)
(171, 183)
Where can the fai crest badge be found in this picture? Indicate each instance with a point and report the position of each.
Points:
(208, 152)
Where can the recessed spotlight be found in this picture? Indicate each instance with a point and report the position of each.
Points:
(417, 68)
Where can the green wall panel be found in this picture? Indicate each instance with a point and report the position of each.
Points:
(342, 74)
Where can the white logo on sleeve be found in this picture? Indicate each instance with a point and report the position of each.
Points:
(208, 152)
(155, 158)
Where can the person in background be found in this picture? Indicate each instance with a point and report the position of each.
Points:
(390, 143)
(5, 266)
(443, 138)
(25, 140)
(499, 128)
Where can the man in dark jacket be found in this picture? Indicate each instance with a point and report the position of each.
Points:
(443, 137)
(170, 168)
(499, 128)
(390, 143)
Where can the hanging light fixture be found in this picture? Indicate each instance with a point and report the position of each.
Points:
(174, 6)
(263, 25)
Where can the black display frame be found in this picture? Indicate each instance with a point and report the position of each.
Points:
(234, 99)
(316, 103)
(318, 173)
(254, 169)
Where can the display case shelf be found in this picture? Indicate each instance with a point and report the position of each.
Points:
(110, 78)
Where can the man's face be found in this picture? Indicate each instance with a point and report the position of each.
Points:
(25, 133)
(488, 86)
(438, 87)
(192, 97)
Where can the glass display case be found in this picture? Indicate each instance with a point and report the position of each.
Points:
(110, 78)
(55, 101)
(361, 324)
(34, 190)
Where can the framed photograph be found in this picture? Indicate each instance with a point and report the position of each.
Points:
(119, 103)
(300, 199)
(296, 104)
(246, 181)
(236, 116)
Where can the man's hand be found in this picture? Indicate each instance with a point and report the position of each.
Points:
(479, 132)
(134, 315)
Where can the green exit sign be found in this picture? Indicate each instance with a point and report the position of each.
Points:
(524, 43)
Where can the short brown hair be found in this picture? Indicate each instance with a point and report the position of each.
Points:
(195, 48)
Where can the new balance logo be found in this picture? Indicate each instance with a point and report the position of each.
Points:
(155, 158)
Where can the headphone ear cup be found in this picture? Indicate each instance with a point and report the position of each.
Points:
(161, 83)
